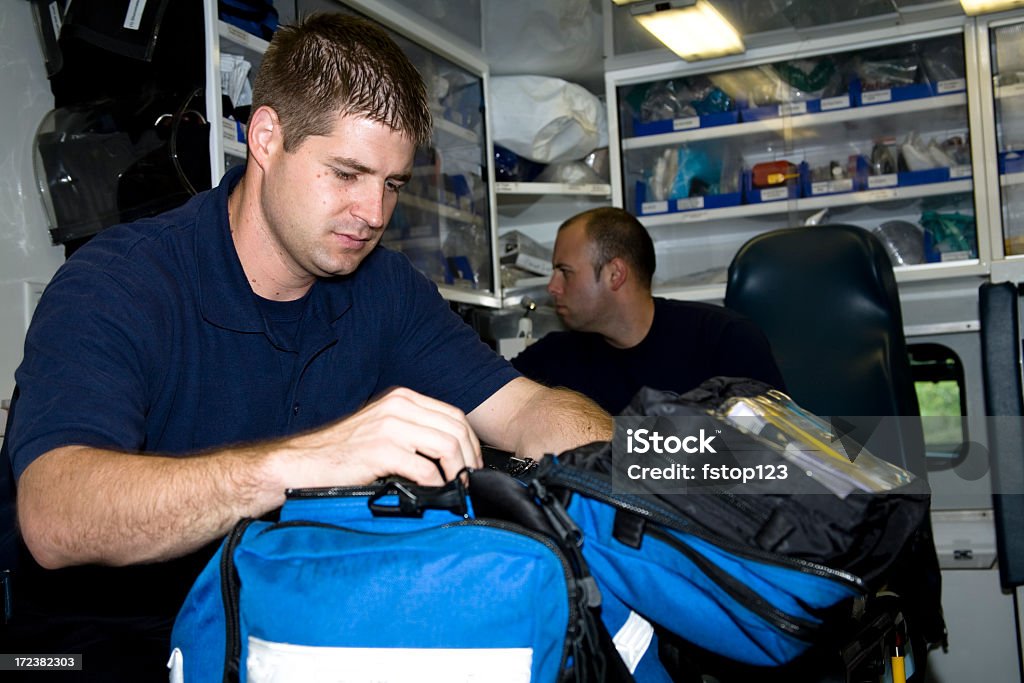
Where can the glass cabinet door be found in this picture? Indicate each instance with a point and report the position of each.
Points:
(876, 138)
(442, 219)
(1007, 61)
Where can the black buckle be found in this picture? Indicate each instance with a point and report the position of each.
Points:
(412, 499)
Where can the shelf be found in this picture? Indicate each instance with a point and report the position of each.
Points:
(1011, 179)
(810, 203)
(915, 273)
(940, 103)
(240, 38)
(443, 128)
(463, 295)
(1004, 92)
(695, 293)
(443, 210)
(587, 189)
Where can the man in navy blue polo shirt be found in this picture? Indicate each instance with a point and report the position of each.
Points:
(181, 372)
(619, 337)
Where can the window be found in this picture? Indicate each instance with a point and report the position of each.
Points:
(939, 382)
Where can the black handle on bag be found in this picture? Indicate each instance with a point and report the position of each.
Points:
(412, 500)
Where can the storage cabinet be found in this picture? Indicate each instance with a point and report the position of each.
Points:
(878, 136)
(1006, 52)
(452, 215)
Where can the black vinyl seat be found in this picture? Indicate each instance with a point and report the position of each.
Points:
(999, 314)
(826, 298)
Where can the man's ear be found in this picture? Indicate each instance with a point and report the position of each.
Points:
(264, 135)
(618, 273)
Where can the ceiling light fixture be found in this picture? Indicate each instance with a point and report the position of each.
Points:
(693, 29)
(973, 7)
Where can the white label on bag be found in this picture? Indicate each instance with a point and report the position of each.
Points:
(133, 18)
(271, 662)
(176, 664)
(633, 640)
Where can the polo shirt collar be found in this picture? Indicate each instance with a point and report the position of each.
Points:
(225, 297)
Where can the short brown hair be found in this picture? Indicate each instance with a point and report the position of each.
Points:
(331, 64)
(615, 233)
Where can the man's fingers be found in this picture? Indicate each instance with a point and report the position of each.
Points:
(431, 414)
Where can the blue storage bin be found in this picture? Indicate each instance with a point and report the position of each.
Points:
(814, 106)
(914, 91)
(791, 190)
(684, 123)
(1011, 162)
(711, 201)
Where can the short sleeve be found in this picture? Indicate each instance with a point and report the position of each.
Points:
(431, 349)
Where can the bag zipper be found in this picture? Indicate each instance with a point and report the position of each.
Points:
(800, 628)
(657, 512)
(229, 590)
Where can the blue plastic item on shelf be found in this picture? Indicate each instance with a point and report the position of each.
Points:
(695, 203)
(723, 118)
(772, 111)
(914, 91)
(1011, 162)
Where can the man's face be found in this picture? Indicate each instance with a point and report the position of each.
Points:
(579, 297)
(327, 202)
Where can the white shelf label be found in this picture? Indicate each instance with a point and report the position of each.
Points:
(962, 171)
(792, 108)
(876, 96)
(504, 187)
(690, 203)
(880, 195)
(951, 85)
(843, 185)
(774, 193)
(887, 180)
(832, 186)
(840, 102)
(955, 256)
(653, 207)
(686, 123)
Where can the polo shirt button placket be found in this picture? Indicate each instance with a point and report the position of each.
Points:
(295, 409)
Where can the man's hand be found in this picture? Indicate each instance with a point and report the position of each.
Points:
(401, 433)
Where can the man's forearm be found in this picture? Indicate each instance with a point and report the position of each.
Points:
(531, 419)
(559, 420)
(80, 505)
